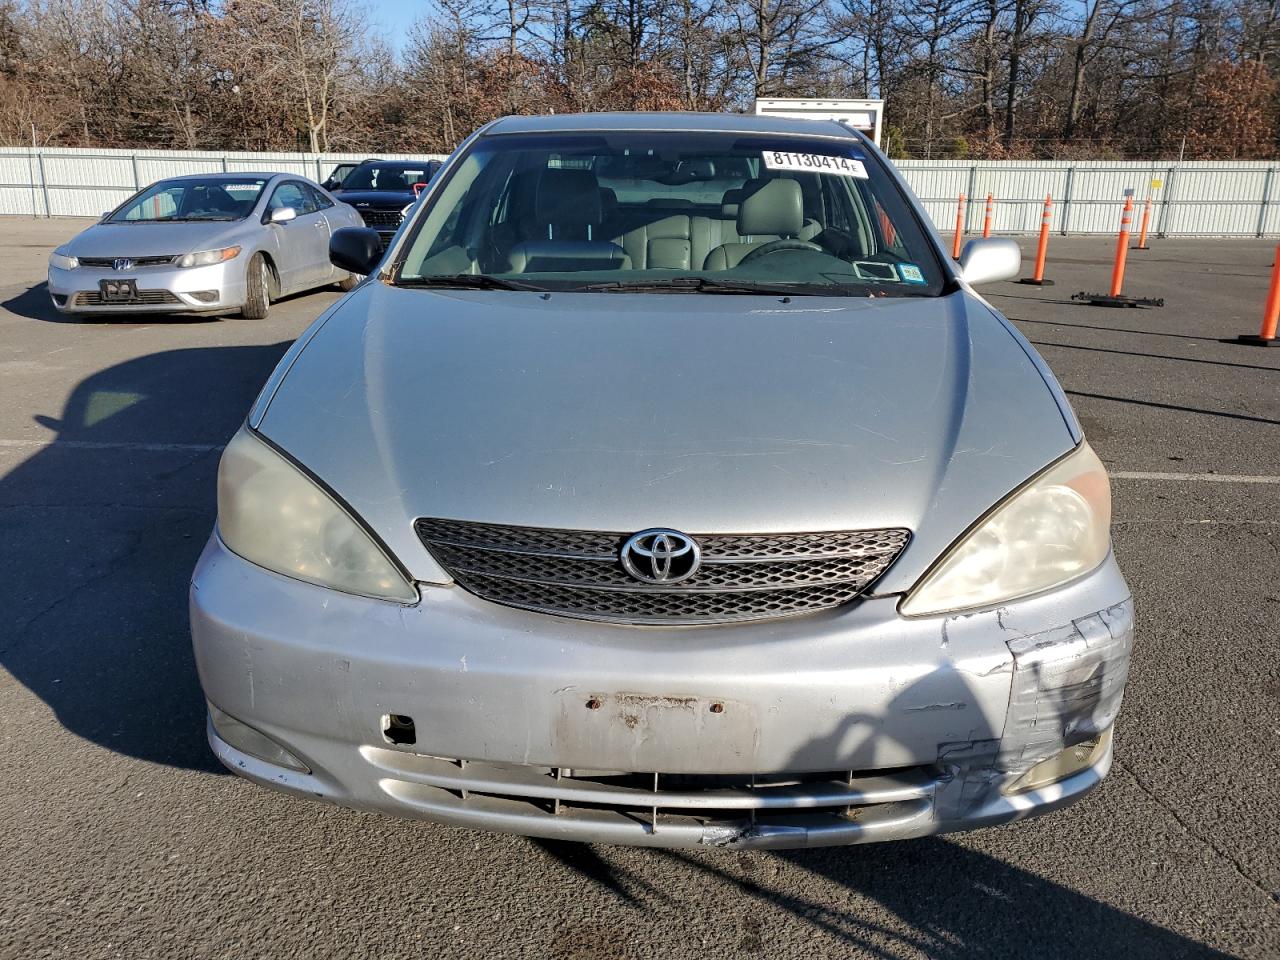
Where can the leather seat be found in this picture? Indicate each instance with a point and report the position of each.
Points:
(567, 218)
(773, 212)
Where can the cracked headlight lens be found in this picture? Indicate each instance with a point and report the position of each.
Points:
(1053, 529)
(274, 515)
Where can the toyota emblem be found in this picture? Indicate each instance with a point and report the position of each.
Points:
(661, 556)
(122, 263)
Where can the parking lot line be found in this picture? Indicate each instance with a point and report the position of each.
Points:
(119, 445)
(1190, 477)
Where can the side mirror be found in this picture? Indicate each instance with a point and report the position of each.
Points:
(355, 249)
(989, 260)
(283, 215)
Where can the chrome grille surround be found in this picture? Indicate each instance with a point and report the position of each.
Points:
(577, 573)
(137, 261)
(671, 809)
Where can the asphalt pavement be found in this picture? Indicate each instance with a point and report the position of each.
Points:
(120, 836)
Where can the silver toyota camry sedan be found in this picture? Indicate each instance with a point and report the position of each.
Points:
(208, 243)
(667, 484)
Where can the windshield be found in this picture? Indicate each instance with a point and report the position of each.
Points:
(211, 198)
(387, 176)
(715, 212)
(339, 174)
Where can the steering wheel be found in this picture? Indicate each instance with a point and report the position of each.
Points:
(774, 246)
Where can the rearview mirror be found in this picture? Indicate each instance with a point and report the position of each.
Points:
(990, 259)
(283, 214)
(355, 249)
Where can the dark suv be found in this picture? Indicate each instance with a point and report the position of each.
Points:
(383, 190)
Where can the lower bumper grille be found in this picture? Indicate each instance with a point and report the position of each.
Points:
(710, 809)
(92, 298)
(578, 573)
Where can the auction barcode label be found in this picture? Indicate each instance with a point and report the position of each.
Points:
(814, 163)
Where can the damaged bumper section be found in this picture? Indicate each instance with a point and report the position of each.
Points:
(856, 726)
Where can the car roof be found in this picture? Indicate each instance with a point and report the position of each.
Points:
(230, 175)
(667, 122)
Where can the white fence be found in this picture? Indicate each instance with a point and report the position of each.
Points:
(67, 182)
(1208, 198)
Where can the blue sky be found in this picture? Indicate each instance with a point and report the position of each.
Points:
(392, 18)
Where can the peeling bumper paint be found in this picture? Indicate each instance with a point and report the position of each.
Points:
(887, 727)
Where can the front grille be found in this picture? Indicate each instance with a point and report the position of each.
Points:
(92, 298)
(381, 218)
(137, 261)
(577, 573)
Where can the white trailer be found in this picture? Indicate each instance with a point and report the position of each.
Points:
(864, 115)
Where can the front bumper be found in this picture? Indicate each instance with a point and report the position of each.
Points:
(161, 289)
(849, 727)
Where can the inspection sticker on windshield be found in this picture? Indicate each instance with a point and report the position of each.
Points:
(815, 163)
(911, 273)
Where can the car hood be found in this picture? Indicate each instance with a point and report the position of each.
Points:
(377, 199)
(705, 413)
(153, 239)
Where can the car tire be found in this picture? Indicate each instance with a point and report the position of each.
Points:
(350, 282)
(257, 289)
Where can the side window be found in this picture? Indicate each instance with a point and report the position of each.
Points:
(448, 236)
(318, 200)
(845, 209)
(290, 194)
(837, 211)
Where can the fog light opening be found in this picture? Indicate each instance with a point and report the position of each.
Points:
(246, 739)
(399, 729)
(205, 296)
(1068, 763)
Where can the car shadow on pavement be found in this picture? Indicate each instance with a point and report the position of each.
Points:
(948, 902)
(108, 520)
(930, 897)
(34, 304)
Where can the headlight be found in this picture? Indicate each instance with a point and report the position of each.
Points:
(1051, 530)
(62, 261)
(208, 257)
(272, 514)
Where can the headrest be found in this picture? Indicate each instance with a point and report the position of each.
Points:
(217, 198)
(733, 198)
(608, 203)
(568, 198)
(700, 169)
(775, 209)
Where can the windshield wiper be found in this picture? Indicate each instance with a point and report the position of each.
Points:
(712, 285)
(467, 281)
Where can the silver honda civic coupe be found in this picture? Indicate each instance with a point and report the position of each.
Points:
(667, 484)
(206, 243)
